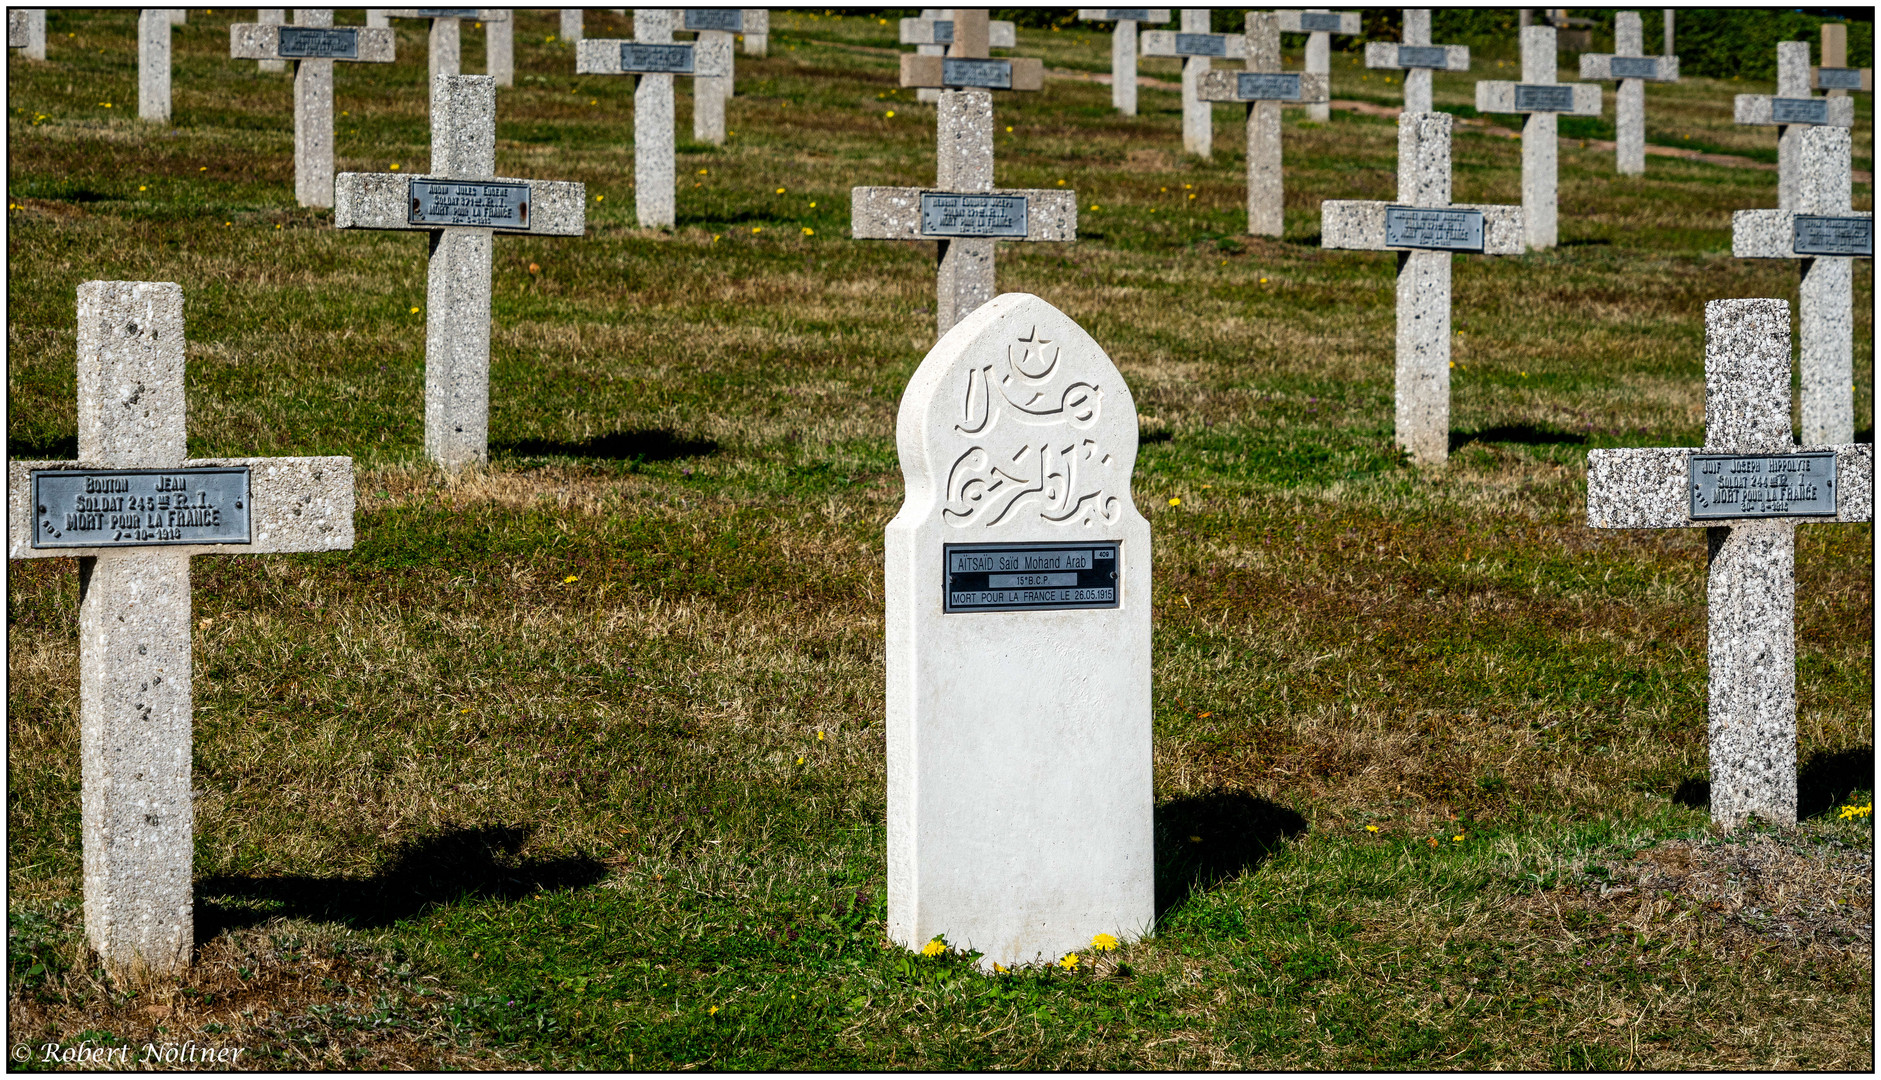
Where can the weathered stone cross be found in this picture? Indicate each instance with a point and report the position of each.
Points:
(1123, 49)
(1749, 487)
(134, 509)
(715, 28)
(1633, 69)
(933, 32)
(1834, 76)
(1265, 88)
(963, 211)
(446, 34)
(1826, 236)
(1198, 48)
(314, 44)
(1541, 98)
(1417, 58)
(1424, 228)
(26, 31)
(1319, 24)
(1792, 110)
(655, 59)
(461, 202)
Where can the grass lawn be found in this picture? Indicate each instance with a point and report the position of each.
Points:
(577, 761)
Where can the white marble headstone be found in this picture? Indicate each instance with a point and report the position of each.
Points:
(1019, 769)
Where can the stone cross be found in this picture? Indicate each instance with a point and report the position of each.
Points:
(1319, 24)
(314, 43)
(933, 32)
(26, 31)
(1265, 88)
(153, 64)
(461, 202)
(715, 28)
(1417, 58)
(446, 52)
(1017, 588)
(655, 59)
(571, 24)
(1541, 99)
(1835, 76)
(499, 50)
(1123, 49)
(375, 18)
(1792, 110)
(757, 33)
(963, 211)
(1748, 487)
(179, 16)
(1198, 48)
(1633, 69)
(1825, 236)
(134, 509)
(1424, 228)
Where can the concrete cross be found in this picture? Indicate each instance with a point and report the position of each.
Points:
(1123, 49)
(1424, 227)
(26, 31)
(1825, 235)
(571, 24)
(499, 50)
(153, 63)
(1417, 58)
(1198, 48)
(135, 509)
(933, 32)
(1319, 24)
(461, 202)
(1834, 76)
(963, 211)
(715, 28)
(1265, 88)
(655, 59)
(1792, 110)
(1541, 99)
(1748, 487)
(1667, 14)
(446, 52)
(314, 43)
(1629, 65)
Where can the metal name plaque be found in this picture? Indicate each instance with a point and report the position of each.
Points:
(973, 215)
(943, 31)
(1535, 97)
(1818, 235)
(1031, 577)
(1201, 45)
(1439, 230)
(1634, 67)
(655, 59)
(1266, 86)
(1790, 110)
(991, 74)
(447, 13)
(1838, 78)
(728, 19)
(79, 508)
(1129, 14)
(1763, 485)
(1326, 22)
(478, 204)
(1423, 56)
(317, 43)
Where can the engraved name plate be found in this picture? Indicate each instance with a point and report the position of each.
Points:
(1201, 45)
(1321, 21)
(943, 31)
(77, 508)
(1440, 230)
(1031, 577)
(1819, 235)
(1634, 67)
(729, 19)
(991, 74)
(475, 203)
(1763, 485)
(655, 59)
(318, 42)
(1789, 110)
(447, 13)
(1838, 78)
(1536, 97)
(1423, 56)
(972, 215)
(1266, 86)
(1130, 14)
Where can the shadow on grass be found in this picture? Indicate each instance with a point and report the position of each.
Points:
(1824, 781)
(1203, 840)
(43, 448)
(651, 444)
(1523, 434)
(454, 865)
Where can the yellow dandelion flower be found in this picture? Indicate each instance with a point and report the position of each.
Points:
(757, 228)
(889, 115)
(414, 311)
(143, 187)
(1371, 828)
(1458, 839)
(819, 736)
(799, 761)
(1008, 129)
(1175, 501)
(780, 191)
(1103, 943)
(934, 948)
(1069, 962)
(570, 579)
(807, 231)
(395, 166)
(713, 1011)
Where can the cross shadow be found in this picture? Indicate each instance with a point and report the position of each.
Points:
(645, 444)
(455, 865)
(1693, 792)
(1583, 243)
(1203, 840)
(1830, 776)
(1523, 434)
(43, 448)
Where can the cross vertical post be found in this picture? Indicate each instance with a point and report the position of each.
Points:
(1123, 48)
(757, 33)
(1264, 88)
(1198, 116)
(1834, 76)
(1629, 65)
(571, 24)
(1541, 99)
(153, 65)
(933, 32)
(715, 28)
(499, 50)
(314, 44)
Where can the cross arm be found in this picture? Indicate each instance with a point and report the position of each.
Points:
(1600, 66)
(1392, 56)
(1018, 73)
(262, 41)
(1000, 34)
(384, 201)
(479, 14)
(1861, 79)
(1761, 109)
(1496, 96)
(895, 213)
(1771, 234)
(1359, 225)
(1294, 21)
(295, 504)
(1650, 488)
(1286, 87)
(605, 56)
(1150, 15)
(1176, 43)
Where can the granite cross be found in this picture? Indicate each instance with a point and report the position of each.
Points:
(134, 509)
(1633, 69)
(446, 52)
(963, 211)
(1319, 24)
(1123, 49)
(1792, 110)
(655, 59)
(1417, 58)
(313, 44)
(1541, 99)
(1749, 487)
(26, 31)
(153, 64)
(1424, 228)
(1834, 76)
(1198, 48)
(715, 28)
(933, 32)
(1825, 235)
(460, 203)
(1265, 88)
